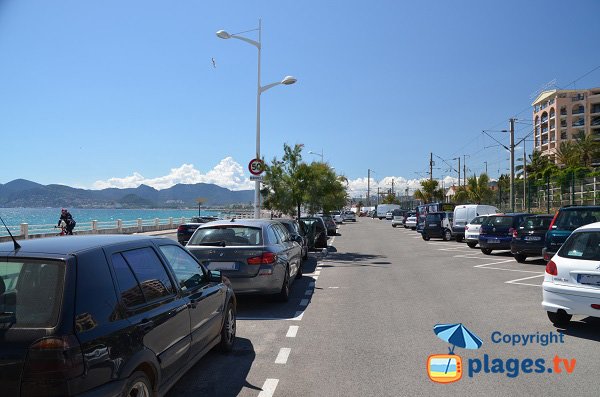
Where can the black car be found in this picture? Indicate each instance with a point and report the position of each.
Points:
(106, 315)
(496, 231)
(438, 225)
(185, 231)
(317, 232)
(330, 225)
(296, 228)
(528, 239)
(565, 221)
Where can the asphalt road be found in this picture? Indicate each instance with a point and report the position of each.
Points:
(360, 323)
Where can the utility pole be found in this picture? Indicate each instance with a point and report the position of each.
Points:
(392, 186)
(486, 167)
(512, 164)
(430, 166)
(377, 195)
(464, 170)
(369, 187)
(524, 176)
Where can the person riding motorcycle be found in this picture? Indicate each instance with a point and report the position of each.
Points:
(68, 219)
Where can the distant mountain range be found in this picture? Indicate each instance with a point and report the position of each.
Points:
(24, 193)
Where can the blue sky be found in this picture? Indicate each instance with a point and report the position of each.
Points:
(117, 93)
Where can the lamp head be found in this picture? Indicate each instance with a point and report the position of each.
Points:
(288, 80)
(223, 34)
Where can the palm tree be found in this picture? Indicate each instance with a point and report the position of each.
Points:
(476, 191)
(429, 191)
(567, 154)
(587, 148)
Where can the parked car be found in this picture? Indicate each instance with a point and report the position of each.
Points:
(243, 249)
(185, 231)
(398, 217)
(464, 213)
(316, 233)
(565, 221)
(329, 225)
(348, 216)
(389, 216)
(496, 231)
(572, 280)
(293, 227)
(528, 239)
(438, 225)
(107, 315)
(337, 217)
(411, 222)
(472, 230)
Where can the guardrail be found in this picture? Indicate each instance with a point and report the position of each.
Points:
(27, 231)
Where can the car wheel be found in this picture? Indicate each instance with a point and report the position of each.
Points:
(471, 244)
(486, 251)
(393, 225)
(561, 318)
(299, 272)
(447, 236)
(138, 385)
(520, 258)
(425, 237)
(406, 227)
(228, 330)
(284, 294)
(459, 239)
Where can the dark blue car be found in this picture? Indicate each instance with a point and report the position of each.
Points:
(496, 231)
(565, 221)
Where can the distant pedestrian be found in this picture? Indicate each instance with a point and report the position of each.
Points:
(66, 216)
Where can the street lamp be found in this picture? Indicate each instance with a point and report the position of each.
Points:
(287, 80)
(318, 154)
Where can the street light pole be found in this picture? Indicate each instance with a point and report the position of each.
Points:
(288, 80)
(512, 164)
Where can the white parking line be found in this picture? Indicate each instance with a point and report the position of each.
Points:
(292, 331)
(488, 266)
(283, 355)
(268, 388)
(298, 316)
(525, 278)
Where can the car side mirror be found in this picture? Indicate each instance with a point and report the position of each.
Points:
(215, 276)
(297, 238)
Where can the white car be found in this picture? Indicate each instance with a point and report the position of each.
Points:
(572, 279)
(472, 230)
(337, 217)
(348, 216)
(411, 222)
(389, 216)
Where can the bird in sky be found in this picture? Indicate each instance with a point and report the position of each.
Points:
(214, 63)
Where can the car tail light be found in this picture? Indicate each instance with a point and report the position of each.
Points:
(266, 258)
(553, 220)
(55, 357)
(513, 232)
(551, 269)
(181, 228)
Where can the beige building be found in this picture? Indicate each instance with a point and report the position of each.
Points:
(561, 115)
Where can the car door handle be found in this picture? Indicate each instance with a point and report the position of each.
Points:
(145, 326)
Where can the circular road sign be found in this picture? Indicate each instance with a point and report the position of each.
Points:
(256, 166)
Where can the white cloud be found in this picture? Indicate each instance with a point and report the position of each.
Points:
(228, 174)
(358, 187)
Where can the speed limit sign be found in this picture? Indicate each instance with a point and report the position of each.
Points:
(256, 166)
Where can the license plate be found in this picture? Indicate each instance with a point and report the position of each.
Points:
(222, 266)
(432, 225)
(493, 241)
(589, 279)
(532, 238)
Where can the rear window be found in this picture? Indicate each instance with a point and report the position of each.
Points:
(227, 236)
(31, 293)
(433, 218)
(477, 220)
(574, 218)
(536, 223)
(498, 221)
(584, 245)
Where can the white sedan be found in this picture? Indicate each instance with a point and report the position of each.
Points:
(572, 279)
(411, 222)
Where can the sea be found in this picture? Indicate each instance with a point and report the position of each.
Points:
(49, 216)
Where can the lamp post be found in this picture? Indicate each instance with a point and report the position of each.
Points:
(287, 80)
(318, 154)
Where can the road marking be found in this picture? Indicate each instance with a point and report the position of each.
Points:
(488, 266)
(319, 268)
(292, 331)
(317, 273)
(315, 278)
(333, 287)
(304, 302)
(268, 388)
(283, 355)
(525, 278)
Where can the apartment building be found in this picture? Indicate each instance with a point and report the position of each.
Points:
(561, 115)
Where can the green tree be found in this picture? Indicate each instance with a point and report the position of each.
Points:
(477, 191)
(430, 191)
(390, 199)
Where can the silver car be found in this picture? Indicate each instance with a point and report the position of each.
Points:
(258, 256)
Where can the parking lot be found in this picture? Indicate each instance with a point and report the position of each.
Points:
(360, 322)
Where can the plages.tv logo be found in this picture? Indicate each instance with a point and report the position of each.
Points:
(447, 368)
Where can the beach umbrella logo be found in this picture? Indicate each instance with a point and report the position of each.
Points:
(447, 368)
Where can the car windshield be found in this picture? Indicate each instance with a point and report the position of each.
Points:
(582, 245)
(32, 293)
(571, 219)
(477, 220)
(227, 236)
(498, 221)
(536, 223)
(433, 218)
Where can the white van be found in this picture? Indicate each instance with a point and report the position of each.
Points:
(463, 214)
(383, 209)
